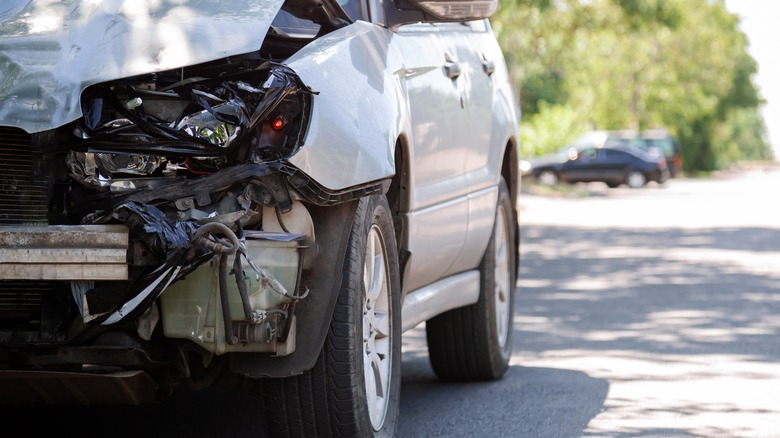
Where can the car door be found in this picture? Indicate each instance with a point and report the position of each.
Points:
(435, 84)
(477, 69)
(473, 45)
(585, 166)
(617, 164)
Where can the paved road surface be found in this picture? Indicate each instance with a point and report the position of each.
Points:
(640, 313)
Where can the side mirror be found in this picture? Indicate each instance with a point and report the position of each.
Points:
(413, 11)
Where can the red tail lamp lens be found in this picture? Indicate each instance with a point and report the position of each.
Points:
(279, 123)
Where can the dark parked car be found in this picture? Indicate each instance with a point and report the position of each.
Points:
(655, 141)
(614, 165)
(664, 142)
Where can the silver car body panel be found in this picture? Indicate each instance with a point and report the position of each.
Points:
(450, 293)
(355, 118)
(51, 51)
(350, 141)
(451, 178)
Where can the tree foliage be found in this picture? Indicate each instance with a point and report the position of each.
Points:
(682, 65)
(552, 127)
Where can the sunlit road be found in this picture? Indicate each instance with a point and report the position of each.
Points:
(651, 312)
(641, 313)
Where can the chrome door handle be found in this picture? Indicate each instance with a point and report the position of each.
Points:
(488, 66)
(452, 69)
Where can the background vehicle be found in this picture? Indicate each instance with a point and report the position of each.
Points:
(198, 196)
(668, 145)
(613, 165)
(655, 141)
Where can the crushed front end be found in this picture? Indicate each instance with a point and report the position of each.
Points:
(160, 226)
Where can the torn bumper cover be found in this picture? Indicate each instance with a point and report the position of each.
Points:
(116, 272)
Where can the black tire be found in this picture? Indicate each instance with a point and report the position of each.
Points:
(665, 177)
(339, 397)
(475, 342)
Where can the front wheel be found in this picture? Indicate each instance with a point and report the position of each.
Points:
(354, 388)
(475, 342)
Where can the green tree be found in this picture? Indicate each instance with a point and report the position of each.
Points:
(617, 64)
(551, 128)
(741, 137)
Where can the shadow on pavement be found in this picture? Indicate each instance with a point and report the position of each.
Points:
(662, 312)
(653, 291)
(215, 412)
(527, 402)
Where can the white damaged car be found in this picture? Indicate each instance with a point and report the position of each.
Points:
(261, 193)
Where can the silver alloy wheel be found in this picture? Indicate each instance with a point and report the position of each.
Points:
(502, 274)
(635, 179)
(548, 178)
(377, 354)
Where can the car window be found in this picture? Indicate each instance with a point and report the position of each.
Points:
(587, 155)
(353, 8)
(434, 27)
(376, 12)
(663, 144)
(291, 26)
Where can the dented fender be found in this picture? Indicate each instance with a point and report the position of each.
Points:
(356, 118)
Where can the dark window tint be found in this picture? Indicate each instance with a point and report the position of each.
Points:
(353, 8)
(588, 154)
(665, 145)
(294, 27)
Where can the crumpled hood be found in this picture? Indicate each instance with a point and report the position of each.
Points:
(50, 50)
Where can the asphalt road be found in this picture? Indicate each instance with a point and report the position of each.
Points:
(652, 312)
(640, 313)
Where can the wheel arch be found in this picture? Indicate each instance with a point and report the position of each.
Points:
(510, 171)
(332, 225)
(399, 198)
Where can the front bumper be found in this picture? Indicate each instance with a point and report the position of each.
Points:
(195, 307)
(64, 252)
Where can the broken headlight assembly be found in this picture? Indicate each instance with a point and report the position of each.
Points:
(186, 123)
